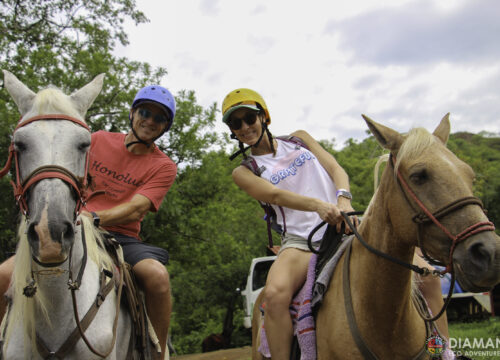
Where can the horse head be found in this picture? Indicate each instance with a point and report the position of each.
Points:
(431, 204)
(50, 155)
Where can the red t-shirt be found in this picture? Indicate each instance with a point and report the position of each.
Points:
(122, 174)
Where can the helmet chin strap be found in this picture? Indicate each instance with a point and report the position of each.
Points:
(139, 140)
(243, 150)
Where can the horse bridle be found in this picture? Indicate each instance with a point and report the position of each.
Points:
(21, 186)
(426, 216)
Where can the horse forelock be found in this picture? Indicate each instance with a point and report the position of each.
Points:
(52, 101)
(28, 309)
(416, 142)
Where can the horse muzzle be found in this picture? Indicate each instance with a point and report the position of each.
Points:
(477, 262)
(50, 231)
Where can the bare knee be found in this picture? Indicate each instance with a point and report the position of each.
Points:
(6, 270)
(153, 277)
(276, 299)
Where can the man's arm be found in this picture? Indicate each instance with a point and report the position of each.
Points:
(133, 210)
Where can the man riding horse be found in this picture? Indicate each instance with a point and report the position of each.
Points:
(131, 177)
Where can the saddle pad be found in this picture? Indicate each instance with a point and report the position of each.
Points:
(323, 279)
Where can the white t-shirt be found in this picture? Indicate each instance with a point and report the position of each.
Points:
(296, 169)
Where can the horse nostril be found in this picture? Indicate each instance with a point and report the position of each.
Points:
(479, 255)
(31, 233)
(69, 232)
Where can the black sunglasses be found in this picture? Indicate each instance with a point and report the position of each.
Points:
(249, 119)
(158, 118)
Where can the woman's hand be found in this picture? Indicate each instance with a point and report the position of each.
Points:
(344, 205)
(329, 212)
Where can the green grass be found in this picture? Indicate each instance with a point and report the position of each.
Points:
(466, 337)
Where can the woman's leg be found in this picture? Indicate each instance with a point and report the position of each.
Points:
(285, 278)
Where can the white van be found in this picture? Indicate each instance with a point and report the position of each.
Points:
(255, 283)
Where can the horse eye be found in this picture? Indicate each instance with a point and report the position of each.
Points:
(419, 177)
(19, 146)
(84, 146)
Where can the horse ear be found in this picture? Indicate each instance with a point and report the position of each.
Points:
(22, 95)
(389, 139)
(83, 98)
(442, 132)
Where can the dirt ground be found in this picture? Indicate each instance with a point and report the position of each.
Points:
(244, 353)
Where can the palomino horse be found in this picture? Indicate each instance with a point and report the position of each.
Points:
(44, 321)
(424, 199)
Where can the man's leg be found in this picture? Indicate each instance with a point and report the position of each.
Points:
(154, 280)
(6, 270)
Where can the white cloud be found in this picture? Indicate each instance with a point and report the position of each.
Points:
(320, 64)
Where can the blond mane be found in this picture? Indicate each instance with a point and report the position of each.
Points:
(24, 307)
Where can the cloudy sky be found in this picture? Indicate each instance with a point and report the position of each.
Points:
(320, 64)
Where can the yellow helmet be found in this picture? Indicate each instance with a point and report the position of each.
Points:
(239, 98)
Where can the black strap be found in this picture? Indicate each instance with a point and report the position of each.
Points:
(362, 347)
(412, 267)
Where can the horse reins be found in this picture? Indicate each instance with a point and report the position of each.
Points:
(21, 187)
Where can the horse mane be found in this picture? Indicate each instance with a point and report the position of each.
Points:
(53, 101)
(24, 307)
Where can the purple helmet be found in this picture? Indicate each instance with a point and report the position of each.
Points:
(160, 96)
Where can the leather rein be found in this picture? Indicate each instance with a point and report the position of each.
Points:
(21, 186)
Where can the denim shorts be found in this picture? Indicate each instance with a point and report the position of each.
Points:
(134, 250)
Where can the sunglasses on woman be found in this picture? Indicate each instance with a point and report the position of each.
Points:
(249, 118)
(158, 118)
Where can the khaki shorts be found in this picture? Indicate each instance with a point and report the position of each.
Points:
(294, 241)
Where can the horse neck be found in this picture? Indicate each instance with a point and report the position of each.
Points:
(386, 284)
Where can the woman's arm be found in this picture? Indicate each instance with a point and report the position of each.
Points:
(264, 191)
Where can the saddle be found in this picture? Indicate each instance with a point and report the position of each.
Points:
(144, 337)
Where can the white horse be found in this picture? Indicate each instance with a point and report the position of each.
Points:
(58, 249)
